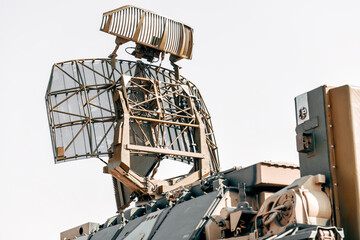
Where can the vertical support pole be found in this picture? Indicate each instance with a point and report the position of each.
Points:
(203, 163)
(121, 156)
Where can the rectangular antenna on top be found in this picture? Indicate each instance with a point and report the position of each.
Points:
(150, 29)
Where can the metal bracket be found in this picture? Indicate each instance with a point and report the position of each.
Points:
(305, 142)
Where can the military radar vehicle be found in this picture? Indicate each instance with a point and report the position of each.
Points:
(134, 115)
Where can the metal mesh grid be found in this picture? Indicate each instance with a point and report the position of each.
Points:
(82, 116)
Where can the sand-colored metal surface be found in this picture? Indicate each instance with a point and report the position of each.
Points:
(302, 202)
(276, 174)
(150, 29)
(82, 230)
(345, 113)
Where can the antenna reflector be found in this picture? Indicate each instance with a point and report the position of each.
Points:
(147, 28)
(84, 111)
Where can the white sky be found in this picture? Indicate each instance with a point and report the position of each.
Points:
(250, 59)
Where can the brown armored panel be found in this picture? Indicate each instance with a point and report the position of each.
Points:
(276, 174)
(150, 29)
(345, 114)
(273, 175)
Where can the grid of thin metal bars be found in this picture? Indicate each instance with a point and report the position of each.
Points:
(82, 115)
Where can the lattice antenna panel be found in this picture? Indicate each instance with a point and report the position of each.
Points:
(81, 110)
(149, 29)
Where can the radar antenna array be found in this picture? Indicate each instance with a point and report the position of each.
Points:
(152, 33)
(135, 114)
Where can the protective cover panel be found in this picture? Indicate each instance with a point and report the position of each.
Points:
(317, 161)
(83, 238)
(106, 233)
(129, 227)
(183, 219)
(345, 113)
(144, 229)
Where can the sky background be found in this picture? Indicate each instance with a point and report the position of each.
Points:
(250, 59)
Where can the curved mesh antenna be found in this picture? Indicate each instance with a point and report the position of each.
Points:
(82, 113)
(150, 29)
